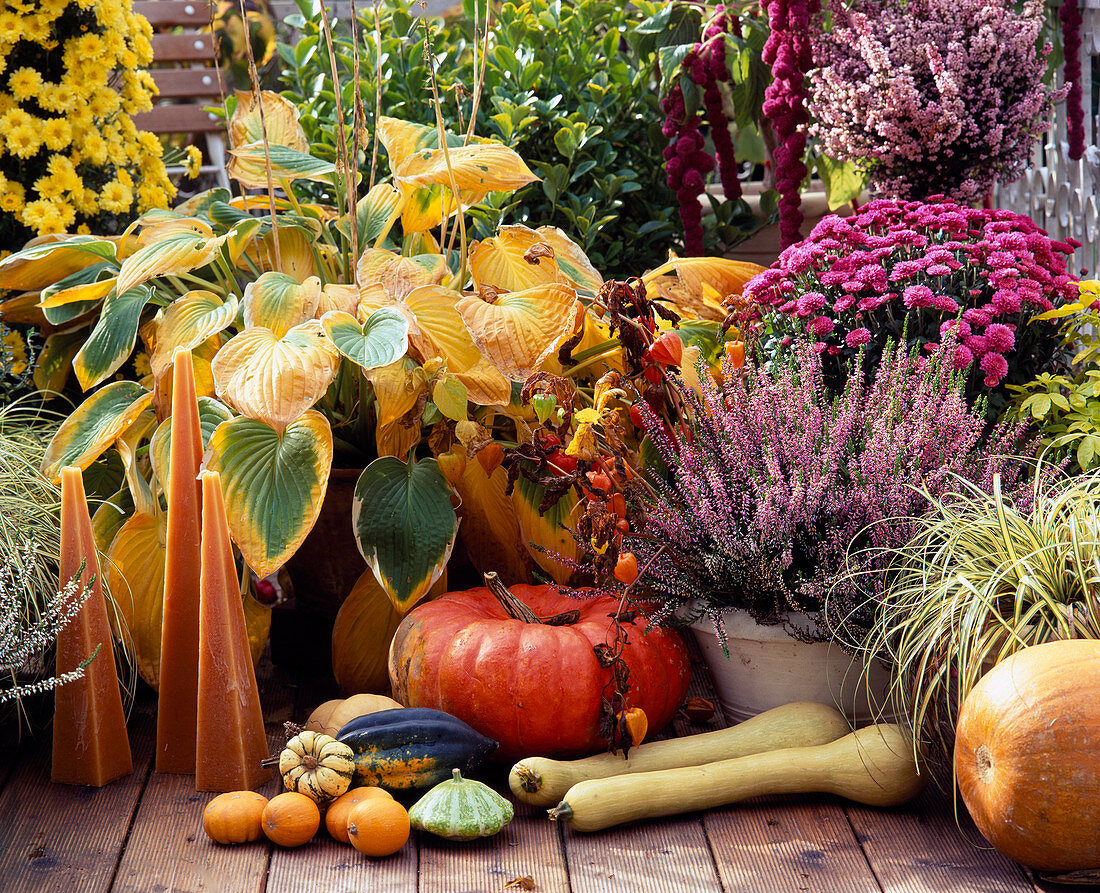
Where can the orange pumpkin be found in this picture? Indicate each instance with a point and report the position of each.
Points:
(234, 817)
(291, 819)
(534, 687)
(1026, 750)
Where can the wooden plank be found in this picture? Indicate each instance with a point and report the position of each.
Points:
(189, 83)
(168, 850)
(168, 13)
(193, 47)
(788, 844)
(62, 837)
(530, 846)
(179, 118)
(918, 847)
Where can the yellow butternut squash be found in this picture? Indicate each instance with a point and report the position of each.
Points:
(541, 781)
(874, 765)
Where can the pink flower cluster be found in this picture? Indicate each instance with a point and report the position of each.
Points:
(931, 96)
(1070, 16)
(687, 163)
(922, 270)
(788, 52)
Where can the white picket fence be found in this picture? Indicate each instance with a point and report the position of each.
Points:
(1060, 194)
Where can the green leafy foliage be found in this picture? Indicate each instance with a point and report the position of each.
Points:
(571, 87)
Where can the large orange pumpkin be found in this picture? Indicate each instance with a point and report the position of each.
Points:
(1027, 748)
(534, 687)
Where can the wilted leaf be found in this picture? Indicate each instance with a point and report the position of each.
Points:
(505, 261)
(178, 252)
(279, 125)
(274, 484)
(279, 302)
(187, 322)
(490, 530)
(51, 258)
(697, 286)
(94, 425)
(274, 379)
(519, 329)
(404, 525)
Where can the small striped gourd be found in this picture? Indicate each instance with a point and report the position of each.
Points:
(317, 765)
(461, 809)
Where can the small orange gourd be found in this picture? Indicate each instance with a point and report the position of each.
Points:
(234, 817)
(290, 819)
(378, 827)
(336, 816)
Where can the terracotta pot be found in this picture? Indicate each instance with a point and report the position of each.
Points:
(323, 572)
(767, 668)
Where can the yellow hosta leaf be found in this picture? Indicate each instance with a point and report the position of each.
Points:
(402, 138)
(519, 257)
(422, 242)
(89, 291)
(275, 380)
(490, 530)
(48, 259)
(160, 223)
(135, 573)
(371, 263)
(519, 329)
(484, 168)
(279, 302)
(397, 388)
(397, 438)
(187, 323)
(337, 296)
(23, 309)
(697, 286)
(295, 257)
(547, 537)
(280, 121)
(178, 252)
(424, 207)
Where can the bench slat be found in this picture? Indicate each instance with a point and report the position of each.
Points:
(192, 47)
(189, 82)
(179, 118)
(166, 13)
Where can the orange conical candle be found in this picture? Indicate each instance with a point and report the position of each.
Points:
(231, 742)
(90, 745)
(177, 707)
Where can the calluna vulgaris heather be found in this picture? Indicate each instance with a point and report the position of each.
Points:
(931, 96)
(923, 269)
(778, 485)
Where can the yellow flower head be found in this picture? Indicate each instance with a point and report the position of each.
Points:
(116, 198)
(23, 142)
(24, 83)
(194, 161)
(57, 134)
(15, 352)
(104, 103)
(42, 217)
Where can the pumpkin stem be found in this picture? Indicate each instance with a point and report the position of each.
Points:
(514, 608)
(529, 779)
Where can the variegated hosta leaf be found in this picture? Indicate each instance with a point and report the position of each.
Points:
(380, 341)
(113, 338)
(337, 296)
(275, 380)
(440, 332)
(547, 536)
(397, 388)
(274, 484)
(490, 530)
(211, 414)
(279, 302)
(697, 286)
(135, 573)
(404, 525)
(248, 165)
(243, 234)
(92, 284)
(188, 322)
(54, 363)
(94, 425)
(519, 329)
(200, 203)
(424, 207)
(373, 212)
(422, 242)
(397, 275)
(49, 259)
(401, 139)
(484, 168)
(279, 125)
(178, 252)
(372, 263)
(519, 257)
(108, 519)
(294, 257)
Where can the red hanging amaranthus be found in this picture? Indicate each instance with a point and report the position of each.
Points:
(687, 163)
(1070, 16)
(788, 52)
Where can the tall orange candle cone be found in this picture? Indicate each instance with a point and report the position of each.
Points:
(90, 744)
(177, 707)
(231, 741)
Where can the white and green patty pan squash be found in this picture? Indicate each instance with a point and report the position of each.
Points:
(461, 809)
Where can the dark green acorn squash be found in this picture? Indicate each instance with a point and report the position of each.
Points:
(412, 749)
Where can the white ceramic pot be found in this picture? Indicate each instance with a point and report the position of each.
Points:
(767, 668)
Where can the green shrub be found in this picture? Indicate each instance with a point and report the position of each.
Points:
(571, 87)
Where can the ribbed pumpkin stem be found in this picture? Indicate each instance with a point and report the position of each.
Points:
(515, 609)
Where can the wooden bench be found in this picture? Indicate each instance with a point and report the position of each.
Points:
(185, 69)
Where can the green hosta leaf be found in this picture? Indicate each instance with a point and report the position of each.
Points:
(94, 425)
(112, 340)
(449, 396)
(372, 213)
(211, 414)
(381, 340)
(273, 484)
(405, 526)
(249, 162)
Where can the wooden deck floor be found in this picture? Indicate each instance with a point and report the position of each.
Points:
(143, 833)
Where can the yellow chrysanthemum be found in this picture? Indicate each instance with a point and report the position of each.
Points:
(24, 83)
(104, 103)
(141, 364)
(95, 149)
(194, 161)
(42, 217)
(83, 230)
(23, 142)
(58, 98)
(11, 203)
(11, 27)
(15, 352)
(150, 196)
(57, 134)
(116, 198)
(16, 118)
